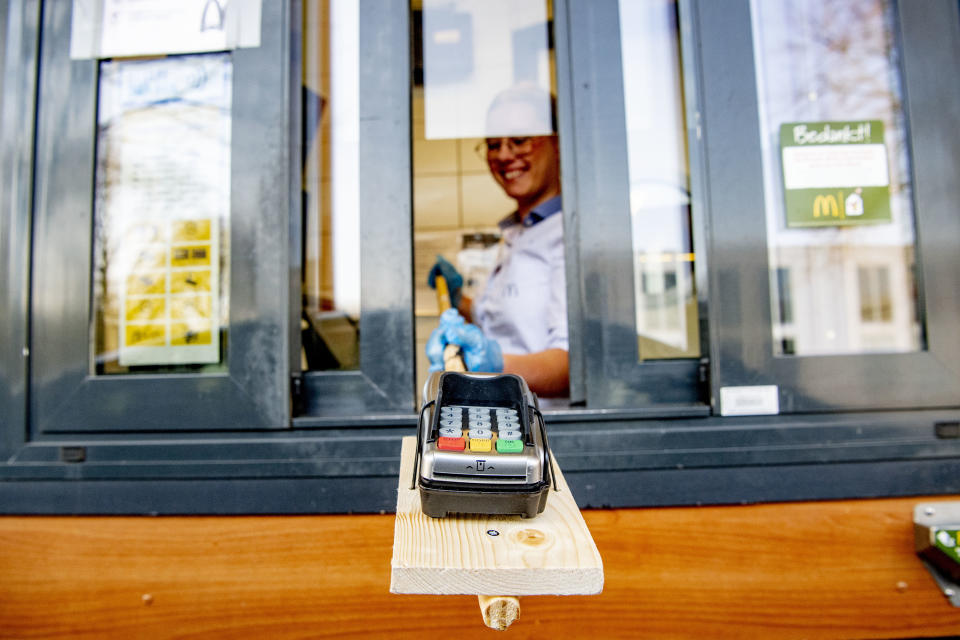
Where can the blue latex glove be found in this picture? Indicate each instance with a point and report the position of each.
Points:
(479, 352)
(449, 272)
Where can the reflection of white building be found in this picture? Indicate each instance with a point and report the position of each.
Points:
(663, 272)
(865, 303)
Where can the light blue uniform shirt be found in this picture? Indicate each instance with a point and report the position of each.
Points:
(524, 305)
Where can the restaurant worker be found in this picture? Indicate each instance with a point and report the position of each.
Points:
(519, 324)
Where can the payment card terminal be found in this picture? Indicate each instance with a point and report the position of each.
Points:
(481, 446)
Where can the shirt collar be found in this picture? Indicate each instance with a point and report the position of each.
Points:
(539, 213)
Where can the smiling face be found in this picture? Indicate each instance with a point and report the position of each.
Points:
(528, 168)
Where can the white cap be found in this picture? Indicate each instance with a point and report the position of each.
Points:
(521, 110)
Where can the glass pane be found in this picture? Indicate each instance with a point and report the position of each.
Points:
(331, 119)
(840, 220)
(162, 210)
(472, 52)
(666, 300)
(483, 128)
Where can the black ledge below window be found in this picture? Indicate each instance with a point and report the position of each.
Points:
(610, 459)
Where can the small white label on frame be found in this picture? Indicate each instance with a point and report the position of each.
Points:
(760, 400)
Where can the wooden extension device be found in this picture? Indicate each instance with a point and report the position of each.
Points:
(481, 505)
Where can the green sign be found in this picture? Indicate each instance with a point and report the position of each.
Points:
(835, 173)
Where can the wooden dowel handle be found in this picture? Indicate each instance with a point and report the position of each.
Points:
(499, 612)
(452, 358)
(443, 294)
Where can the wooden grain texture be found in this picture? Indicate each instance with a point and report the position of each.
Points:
(552, 553)
(841, 569)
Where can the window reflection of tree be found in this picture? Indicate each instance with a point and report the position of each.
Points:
(839, 61)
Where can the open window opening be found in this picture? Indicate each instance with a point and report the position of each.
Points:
(486, 182)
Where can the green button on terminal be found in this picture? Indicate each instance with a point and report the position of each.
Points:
(509, 446)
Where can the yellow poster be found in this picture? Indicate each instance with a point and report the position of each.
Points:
(170, 316)
(163, 204)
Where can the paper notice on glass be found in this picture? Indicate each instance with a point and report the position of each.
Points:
(124, 28)
(486, 69)
(835, 173)
(163, 203)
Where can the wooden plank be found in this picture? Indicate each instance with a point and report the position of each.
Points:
(552, 553)
(836, 570)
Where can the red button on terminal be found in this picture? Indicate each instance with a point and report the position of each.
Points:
(451, 444)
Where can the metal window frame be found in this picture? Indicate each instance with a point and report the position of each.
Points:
(20, 24)
(613, 375)
(254, 393)
(741, 316)
(384, 382)
(612, 457)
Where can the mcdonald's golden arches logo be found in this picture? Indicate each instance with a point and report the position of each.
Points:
(826, 205)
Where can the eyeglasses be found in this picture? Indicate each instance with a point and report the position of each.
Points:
(516, 146)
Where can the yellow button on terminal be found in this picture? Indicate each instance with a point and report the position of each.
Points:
(480, 444)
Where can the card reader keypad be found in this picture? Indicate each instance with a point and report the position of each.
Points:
(480, 429)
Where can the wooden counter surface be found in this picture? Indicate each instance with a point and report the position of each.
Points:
(841, 569)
